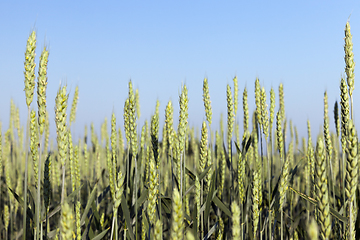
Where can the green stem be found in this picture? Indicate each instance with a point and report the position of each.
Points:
(26, 172)
(38, 200)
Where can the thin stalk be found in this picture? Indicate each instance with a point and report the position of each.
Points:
(116, 227)
(112, 227)
(26, 171)
(269, 186)
(202, 213)
(181, 175)
(38, 200)
(282, 225)
(136, 180)
(262, 176)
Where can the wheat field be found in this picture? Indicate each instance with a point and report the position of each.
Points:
(130, 182)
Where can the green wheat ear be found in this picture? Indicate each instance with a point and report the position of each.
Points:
(264, 113)
(34, 141)
(153, 189)
(30, 68)
(281, 102)
(203, 147)
(207, 102)
(74, 105)
(41, 89)
(158, 230)
(235, 210)
(323, 213)
(67, 222)
(258, 102)
(350, 64)
(246, 111)
(177, 226)
(236, 95)
(351, 180)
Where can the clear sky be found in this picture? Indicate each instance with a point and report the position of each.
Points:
(161, 44)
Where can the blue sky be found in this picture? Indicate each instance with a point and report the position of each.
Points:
(161, 44)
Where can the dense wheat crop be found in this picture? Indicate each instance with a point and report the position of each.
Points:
(131, 182)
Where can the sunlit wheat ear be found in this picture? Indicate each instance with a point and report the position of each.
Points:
(67, 222)
(207, 102)
(86, 155)
(30, 68)
(153, 190)
(74, 105)
(327, 137)
(41, 89)
(235, 210)
(258, 102)
(119, 189)
(281, 102)
(78, 223)
(350, 64)
(322, 193)
(279, 134)
(158, 230)
(241, 177)
(34, 141)
(169, 122)
(61, 130)
(344, 103)
(203, 147)
(132, 120)
(246, 110)
(60, 120)
(351, 180)
(127, 121)
(230, 117)
(236, 94)
(222, 165)
(183, 118)
(113, 138)
(264, 113)
(284, 179)
(272, 110)
(143, 226)
(137, 103)
(177, 219)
